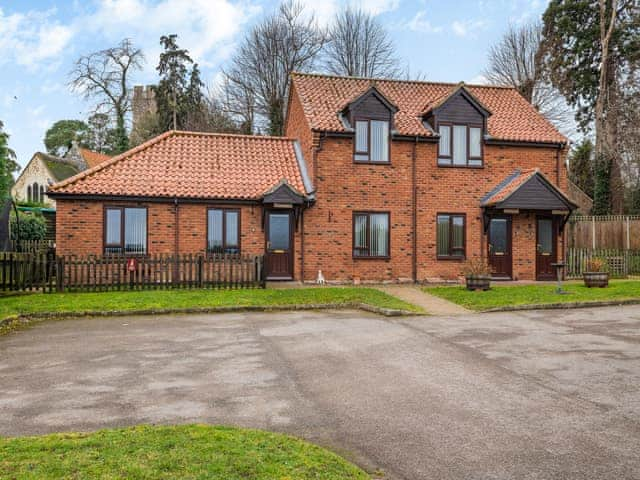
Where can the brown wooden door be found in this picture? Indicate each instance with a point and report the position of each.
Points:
(546, 246)
(499, 244)
(279, 251)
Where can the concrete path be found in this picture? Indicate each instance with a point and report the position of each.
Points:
(430, 303)
(527, 395)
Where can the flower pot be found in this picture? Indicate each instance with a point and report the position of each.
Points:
(478, 282)
(596, 279)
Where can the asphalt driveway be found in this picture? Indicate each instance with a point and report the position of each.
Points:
(536, 395)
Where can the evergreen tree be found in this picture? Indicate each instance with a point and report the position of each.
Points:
(601, 189)
(581, 171)
(8, 165)
(60, 136)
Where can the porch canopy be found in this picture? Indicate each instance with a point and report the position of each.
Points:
(526, 190)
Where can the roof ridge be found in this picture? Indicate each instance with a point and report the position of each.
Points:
(236, 135)
(113, 160)
(400, 80)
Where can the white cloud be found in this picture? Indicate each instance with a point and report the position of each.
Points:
(467, 27)
(420, 23)
(204, 27)
(32, 37)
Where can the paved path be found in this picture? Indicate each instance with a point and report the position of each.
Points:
(430, 303)
(536, 395)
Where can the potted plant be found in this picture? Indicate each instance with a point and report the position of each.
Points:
(477, 274)
(595, 274)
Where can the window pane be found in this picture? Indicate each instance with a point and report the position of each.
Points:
(457, 235)
(445, 140)
(545, 236)
(279, 231)
(379, 234)
(231, 234)
(379, 141)
(360, 233)
(459, 144)
(362, 136)
(498, 236)
(113, 224)
(360, 157)
(442, 242)
(214, 229)
(135, 230)
(474, 142)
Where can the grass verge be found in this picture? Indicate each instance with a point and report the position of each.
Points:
(189, 451)
(60, 303)
(507, 296)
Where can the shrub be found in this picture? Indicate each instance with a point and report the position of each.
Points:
(595, 264)
(476, 267)
(32, 227)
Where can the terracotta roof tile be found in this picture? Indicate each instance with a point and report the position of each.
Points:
(93, 158)
(193, 165)
(513, 118)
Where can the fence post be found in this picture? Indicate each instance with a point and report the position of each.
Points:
(200, 267)
(593, 232)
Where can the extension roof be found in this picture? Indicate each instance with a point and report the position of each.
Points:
(197, 166)
(511, 117)
(92, 158)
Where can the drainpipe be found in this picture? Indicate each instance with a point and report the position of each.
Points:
(302, 245)
(562, 236)
(414, 205)
(176, 246)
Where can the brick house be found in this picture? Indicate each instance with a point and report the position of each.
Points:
(375, 180)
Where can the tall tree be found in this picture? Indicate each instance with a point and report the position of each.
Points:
(285, 41)
(173, 91)
(8, 164)
(59, 138)
(100, 135)
(359, 46)
(514, 61)
(104, 77)
(581, 166)
(589, 47)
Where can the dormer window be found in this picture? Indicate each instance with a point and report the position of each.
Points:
(460, 145)
(371, 141)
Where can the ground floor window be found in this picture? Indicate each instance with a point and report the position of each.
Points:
(371, 234)
(125, 230)
(223, 230)
(450, 235)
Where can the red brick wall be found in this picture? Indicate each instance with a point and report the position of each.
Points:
(80, 227)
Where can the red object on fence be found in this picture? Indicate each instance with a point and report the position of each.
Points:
(132, 264)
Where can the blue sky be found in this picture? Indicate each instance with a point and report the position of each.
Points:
(40, 39)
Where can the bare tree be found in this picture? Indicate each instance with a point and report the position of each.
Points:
(103, 77)
(514, 62)
(359, 46)
(284, 42)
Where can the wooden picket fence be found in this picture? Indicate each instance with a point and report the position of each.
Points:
(26, 271)
(31, 246)
(94, 273)
(47, 273)
(604, 232)
(620, 263)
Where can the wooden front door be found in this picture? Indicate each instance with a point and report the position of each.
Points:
(279, 247)
(546, 246)
(499, 245)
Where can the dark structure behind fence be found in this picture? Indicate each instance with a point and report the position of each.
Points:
(41, 271)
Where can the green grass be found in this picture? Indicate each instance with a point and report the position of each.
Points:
(182, 452)
(40, 303)
(502, 296)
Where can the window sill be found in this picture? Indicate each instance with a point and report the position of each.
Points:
(355, 257)
(363, 162)
(451, 258)
(476, 167)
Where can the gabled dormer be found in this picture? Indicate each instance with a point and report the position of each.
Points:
(370, 116)
(460, 120)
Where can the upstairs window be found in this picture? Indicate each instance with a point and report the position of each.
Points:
(372, 141)
(460, 145)
(223, 231)
(125, 230)
(450, 236)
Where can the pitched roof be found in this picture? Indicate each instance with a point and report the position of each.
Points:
(193, 165)
(92, 158)
(512, 117)
(59, 167)
(508, 187)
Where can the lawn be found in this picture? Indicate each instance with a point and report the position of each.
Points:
(185, 452)
(502, 296)
(40, 303)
